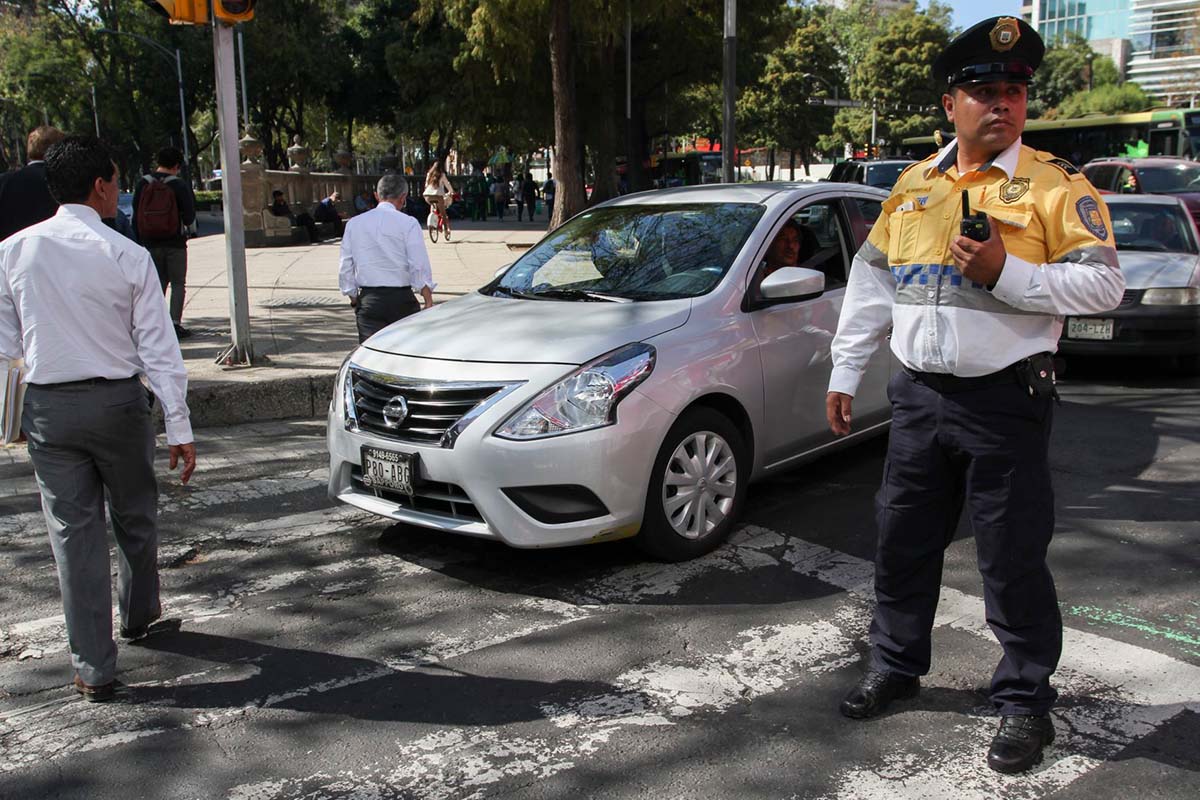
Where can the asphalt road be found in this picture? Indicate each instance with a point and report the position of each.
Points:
(325, 654)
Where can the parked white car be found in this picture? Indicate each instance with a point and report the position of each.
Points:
(629, 375)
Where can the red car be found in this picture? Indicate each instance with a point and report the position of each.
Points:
(1154, 175)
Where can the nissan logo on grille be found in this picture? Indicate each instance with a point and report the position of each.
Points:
(395, 411)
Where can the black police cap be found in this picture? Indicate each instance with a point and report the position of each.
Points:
(997, 49)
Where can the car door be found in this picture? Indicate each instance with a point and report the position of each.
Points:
(794, 335)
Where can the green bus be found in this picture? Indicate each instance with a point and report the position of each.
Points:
(1159, 132)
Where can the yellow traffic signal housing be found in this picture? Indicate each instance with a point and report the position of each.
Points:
(182, 12)
(232, 12)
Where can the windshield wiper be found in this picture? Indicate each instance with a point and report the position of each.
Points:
(579, 294)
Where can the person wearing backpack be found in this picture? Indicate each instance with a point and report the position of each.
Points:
(163, 208)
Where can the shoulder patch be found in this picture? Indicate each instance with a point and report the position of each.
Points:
(1090, 216)
(1061, 163)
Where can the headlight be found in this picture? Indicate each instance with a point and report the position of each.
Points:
(1187, 296)
(585, 399)
(349, 412)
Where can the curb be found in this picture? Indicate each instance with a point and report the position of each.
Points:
(217, 403)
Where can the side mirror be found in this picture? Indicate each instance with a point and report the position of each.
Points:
(501, 271)
(790, 283)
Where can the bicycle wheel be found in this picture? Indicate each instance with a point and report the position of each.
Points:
(433, 233)
(446, 232)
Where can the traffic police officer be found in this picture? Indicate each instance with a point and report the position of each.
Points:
(973, 322)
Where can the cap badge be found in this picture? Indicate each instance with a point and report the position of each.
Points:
(1014, 190)
(1005, 34)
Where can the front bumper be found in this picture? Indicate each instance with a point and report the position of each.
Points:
(461, 489)
(1142, 330)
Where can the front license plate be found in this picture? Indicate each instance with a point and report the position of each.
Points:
(387, 469)
(1089, 328)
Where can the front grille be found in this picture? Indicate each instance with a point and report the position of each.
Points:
(439, 499)
(437, 411)
(1131, 298)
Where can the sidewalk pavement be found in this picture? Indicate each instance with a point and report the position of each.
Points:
(299, 320)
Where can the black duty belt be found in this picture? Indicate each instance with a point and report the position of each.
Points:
(949, 384)
(83, 382)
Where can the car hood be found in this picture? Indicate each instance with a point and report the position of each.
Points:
(1147, 270)
(509, 330)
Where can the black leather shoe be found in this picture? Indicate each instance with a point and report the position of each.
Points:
(1018, 744)
(875, 692)
(139, 633)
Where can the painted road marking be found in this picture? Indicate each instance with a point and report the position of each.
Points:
(1122, 693)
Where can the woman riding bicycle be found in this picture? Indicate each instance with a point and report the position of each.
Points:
(438, 192)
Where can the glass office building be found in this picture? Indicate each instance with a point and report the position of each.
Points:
(1091, 19)
(1165, 57)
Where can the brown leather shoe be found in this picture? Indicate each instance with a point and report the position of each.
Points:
(95, 694)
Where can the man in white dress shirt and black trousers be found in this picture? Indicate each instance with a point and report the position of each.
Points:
(383, 258)
(83, 305)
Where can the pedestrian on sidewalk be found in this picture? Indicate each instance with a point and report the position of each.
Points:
(973, 405)
(163, 208)
(500, 196)
(280, 208)
(84, 307)
(383, 258)
(24, 196)
(514, 191)
(529, 194)
(326, 211)
(548, 193)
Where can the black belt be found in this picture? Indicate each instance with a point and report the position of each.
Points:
(374, 288)
(83, 382)
(949, 384)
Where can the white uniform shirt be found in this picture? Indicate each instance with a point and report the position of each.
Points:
(78, 300)
(383, 247)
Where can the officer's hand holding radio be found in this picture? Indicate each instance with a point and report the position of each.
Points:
(978, 250)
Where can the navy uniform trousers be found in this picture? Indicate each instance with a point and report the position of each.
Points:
(984, 442)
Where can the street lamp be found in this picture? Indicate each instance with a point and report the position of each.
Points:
(825, 81)
(178, 61)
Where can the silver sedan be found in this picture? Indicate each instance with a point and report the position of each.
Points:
(629, 375)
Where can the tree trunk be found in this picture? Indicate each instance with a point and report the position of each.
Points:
(771, 164)
(568, 178)
(792, 162)
(605, 144)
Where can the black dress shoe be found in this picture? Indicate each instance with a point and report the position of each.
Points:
(1018, 744)
(139, 633)
(95, 694)
(875, 692)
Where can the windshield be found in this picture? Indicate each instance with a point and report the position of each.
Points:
(624, 253)
(1142, 226)
(883, 176)
(1181, 177)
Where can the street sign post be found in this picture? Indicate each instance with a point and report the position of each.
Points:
(241, 351)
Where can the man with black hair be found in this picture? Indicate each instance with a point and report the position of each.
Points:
(24, 196)
(160, 220)
(280, 208)
(83, 306)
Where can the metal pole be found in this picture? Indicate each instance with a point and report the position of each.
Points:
(241, 351)
(242, 67)
(182, 109)
(95, 113)
(873, 121)
(728, 133)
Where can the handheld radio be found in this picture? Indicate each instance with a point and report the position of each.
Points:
(974, 226)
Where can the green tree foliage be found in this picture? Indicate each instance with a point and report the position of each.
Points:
(1109, 99)
(1065, 69)
(774, 111)
(894, 70)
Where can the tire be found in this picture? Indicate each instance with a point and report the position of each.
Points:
(672, 529)
(446, 233)
(433, 232)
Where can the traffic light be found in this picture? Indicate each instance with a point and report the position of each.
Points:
(182, 12)
(232, 12)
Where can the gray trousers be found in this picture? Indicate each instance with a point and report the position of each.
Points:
(171, 263)
(85, 439)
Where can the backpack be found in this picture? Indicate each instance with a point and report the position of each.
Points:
(158, 211)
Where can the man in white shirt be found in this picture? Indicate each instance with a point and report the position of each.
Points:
(383, 258)
(83, 305)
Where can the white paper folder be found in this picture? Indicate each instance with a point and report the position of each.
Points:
(12, 396)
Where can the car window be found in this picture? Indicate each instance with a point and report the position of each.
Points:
(818, 234)
(884, 176)
(1143, 226)
(654, 252)
(1181, 177)
(1125, 182)
(1101, 175)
